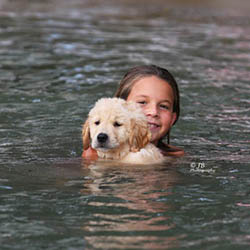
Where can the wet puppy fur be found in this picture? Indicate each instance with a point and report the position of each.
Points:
(118, 130)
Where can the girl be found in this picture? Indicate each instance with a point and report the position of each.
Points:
(156, 90)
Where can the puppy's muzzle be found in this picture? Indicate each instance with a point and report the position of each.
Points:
(102, 138)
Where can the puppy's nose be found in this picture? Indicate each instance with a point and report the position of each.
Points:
(102, 137)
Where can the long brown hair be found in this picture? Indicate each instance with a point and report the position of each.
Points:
(139, 72)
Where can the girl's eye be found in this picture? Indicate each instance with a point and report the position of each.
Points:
(162, 106)
(141, 102)
(117, 124)
(97, 123)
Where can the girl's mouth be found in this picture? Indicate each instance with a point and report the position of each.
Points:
(153, 126)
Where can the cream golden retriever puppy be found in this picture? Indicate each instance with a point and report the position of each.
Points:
(118, 130)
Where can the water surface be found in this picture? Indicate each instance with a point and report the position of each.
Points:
(57, 59)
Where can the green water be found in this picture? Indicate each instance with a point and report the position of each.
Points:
(56, 59)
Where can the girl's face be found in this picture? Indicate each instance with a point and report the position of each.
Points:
(156, 99)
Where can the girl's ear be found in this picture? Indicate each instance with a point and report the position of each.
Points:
(173, 118)
(86, 135)
(139, 135)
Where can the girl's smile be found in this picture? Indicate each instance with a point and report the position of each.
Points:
(156, 98)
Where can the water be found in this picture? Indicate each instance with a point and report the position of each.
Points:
(57, 59)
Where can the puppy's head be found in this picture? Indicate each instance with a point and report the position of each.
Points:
(113, 124)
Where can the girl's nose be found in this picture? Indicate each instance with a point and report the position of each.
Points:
(152, 110)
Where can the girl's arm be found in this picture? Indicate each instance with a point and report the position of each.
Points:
(168, 150)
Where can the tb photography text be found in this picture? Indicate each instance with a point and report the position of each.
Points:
(200, 167)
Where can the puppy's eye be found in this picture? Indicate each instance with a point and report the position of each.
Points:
(97, 123)
(117, 124)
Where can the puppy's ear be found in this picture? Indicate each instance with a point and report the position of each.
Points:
(86, 135)
(139, 135)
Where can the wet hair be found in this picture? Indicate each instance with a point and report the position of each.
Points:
(139, 72)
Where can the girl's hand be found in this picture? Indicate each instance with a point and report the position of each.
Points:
(169, 150)
(176, 152)
(90, 154)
